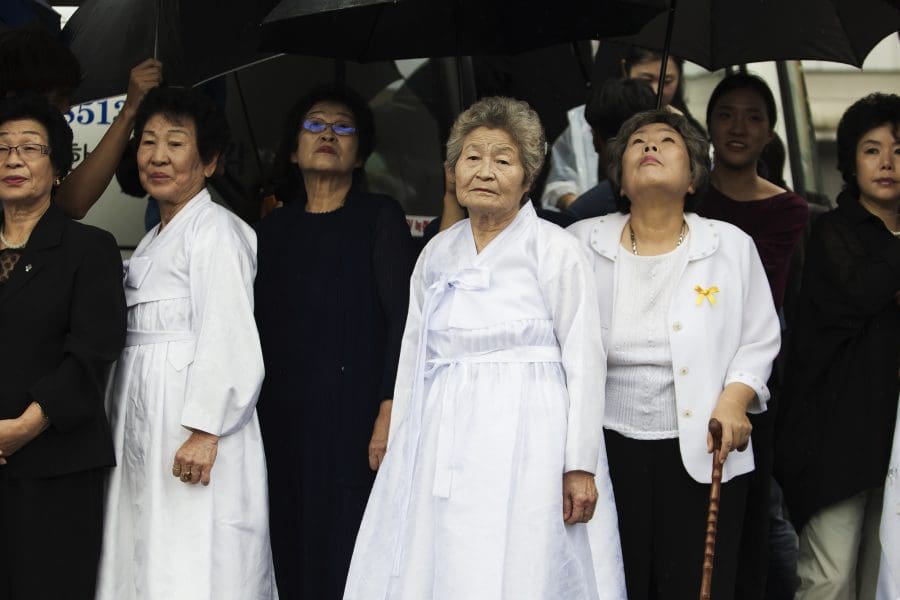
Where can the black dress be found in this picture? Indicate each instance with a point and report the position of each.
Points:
(332, 291)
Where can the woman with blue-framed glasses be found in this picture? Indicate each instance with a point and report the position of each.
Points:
(331, 298)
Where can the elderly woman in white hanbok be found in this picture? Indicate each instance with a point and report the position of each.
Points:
(495, 440)
(183, 395)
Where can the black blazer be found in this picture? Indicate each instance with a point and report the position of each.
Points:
(62, 323)
(835, 427)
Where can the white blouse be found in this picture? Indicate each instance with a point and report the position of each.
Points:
(640, 384)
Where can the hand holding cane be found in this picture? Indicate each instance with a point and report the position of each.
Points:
(712, 516)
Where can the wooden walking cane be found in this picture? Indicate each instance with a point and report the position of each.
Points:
(712, 516)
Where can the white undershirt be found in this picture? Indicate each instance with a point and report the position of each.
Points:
(640, 384)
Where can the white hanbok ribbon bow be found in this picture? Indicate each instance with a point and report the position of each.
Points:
(470, 279)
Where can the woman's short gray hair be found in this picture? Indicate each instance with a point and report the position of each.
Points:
(516, 118)
(695, 142)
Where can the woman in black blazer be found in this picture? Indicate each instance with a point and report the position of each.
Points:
(62, 323)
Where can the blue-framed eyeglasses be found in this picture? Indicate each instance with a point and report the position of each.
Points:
(28, 151)
(318, 126)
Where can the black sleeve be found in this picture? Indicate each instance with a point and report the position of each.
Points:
(72, 394)
(392, 258)
(865, 273)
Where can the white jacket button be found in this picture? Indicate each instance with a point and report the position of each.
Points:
(683, 371)
(676, 326)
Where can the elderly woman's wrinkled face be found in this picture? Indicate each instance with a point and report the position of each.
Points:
(333, 150)
(169, 162)
(26, 174)
(489, 173)
(878, 165)
(656, 160)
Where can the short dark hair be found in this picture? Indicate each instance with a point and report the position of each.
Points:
(59, 135)
(695, 142)
(864, 115)
(180, 104)
(743, 81)
(32, 60)
(614, 102)
(287, 178)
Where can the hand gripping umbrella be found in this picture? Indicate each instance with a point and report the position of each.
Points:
(195, 40)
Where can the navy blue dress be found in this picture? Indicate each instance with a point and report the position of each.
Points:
(332, 291)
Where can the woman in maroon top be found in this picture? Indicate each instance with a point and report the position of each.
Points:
(741, 118)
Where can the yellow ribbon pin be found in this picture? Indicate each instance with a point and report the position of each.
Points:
(706, 293)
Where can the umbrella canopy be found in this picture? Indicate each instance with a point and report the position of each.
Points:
(195, 39)
(368, 30)
(22, 13)
(258, 98)
(721, 33)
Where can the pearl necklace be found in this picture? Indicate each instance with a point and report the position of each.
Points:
(9, 245)
(634, 241)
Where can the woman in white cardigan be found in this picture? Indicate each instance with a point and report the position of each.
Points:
(691, 333)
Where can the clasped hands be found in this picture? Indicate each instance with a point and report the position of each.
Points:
(15, 433)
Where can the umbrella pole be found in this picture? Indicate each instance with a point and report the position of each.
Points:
(240, 91)
(459, 83)
(459, 66)
(156, 31)
(670, 25)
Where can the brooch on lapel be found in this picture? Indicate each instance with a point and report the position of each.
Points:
(708, 293)
(27, 268)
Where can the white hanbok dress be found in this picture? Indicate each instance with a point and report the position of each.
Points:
(499, 391)
(192, 360)
(889, 532)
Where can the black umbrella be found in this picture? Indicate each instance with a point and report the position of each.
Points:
(23, 13)
(196, 40)
(367, 30)
(257, 99)
(721, 33)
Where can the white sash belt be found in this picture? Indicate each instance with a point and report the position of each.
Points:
(143, 338)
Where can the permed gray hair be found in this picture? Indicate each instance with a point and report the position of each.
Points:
(695, 142)
(516, 118)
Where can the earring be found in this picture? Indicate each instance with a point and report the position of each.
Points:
(57, 181)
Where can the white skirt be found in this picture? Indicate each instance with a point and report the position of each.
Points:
(499, 532)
